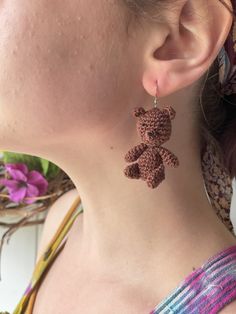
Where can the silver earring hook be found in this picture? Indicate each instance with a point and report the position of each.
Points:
(156, 97)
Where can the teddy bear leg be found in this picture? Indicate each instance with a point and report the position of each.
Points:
(132, 171)
(156, 177)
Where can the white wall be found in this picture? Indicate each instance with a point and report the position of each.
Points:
(18, 262)
(233, 206)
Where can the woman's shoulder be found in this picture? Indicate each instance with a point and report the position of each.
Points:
(54, 217)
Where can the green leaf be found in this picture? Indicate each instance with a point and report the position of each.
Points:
(53, 170)
(50, 170)
(45, 165)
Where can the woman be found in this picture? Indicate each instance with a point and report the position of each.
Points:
(71, 74)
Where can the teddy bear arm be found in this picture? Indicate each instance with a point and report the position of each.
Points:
(135, 152)
(168, 157)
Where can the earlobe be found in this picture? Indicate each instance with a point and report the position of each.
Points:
(191, 47)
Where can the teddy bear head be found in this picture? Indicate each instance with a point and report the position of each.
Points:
(154, 125)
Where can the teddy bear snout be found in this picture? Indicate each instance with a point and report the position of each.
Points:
(150, 135)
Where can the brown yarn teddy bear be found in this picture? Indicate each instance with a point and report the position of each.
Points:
(154, 128)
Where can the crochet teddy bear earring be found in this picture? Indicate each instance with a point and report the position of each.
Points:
(154, 128)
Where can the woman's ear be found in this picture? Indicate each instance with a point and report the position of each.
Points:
(194, 33)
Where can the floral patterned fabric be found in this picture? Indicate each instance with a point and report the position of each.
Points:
(227, 61)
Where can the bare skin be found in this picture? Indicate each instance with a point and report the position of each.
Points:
(70, 76)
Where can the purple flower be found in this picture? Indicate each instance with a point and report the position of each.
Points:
(24, 183)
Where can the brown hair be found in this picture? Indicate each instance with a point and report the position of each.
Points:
(217, 112)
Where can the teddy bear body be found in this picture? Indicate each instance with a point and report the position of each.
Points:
(154, 127)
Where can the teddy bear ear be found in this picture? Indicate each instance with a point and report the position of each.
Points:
(139, 111)
(171, 112)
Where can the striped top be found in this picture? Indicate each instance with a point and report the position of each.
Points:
(206, 290)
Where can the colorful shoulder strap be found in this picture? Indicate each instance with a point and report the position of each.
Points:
(27, 301)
